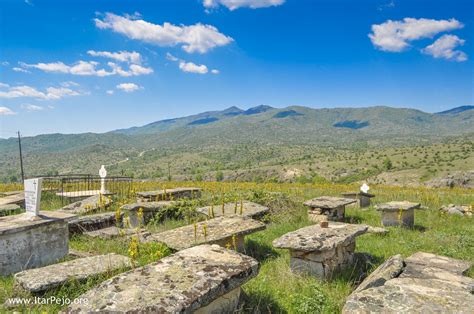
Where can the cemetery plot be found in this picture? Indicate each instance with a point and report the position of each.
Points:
(28, 242)
(205, 279)
(169, 194)
(148, 211)
(224, 231)
(398, 213)
(115, 232)
(321, 251)
(327, 208)
(13, 198)
(88, 205)
(52, 276)
(422, 283)
(246, 209)
(82, 224)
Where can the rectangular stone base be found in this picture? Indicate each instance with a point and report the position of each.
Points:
(364, 201)
(322, 265)
(394, 218)
(322, 214)
(228, 303)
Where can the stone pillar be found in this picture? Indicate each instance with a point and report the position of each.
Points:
(364, 201)
(405, 218)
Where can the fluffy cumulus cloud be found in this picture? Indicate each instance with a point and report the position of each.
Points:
(444, 47)
(235, 4)
(395, 36)
(128, 87)
(193, 68)
(121, 56)
(194, 38)
(51, 93)
(4, 111)
(90, 68)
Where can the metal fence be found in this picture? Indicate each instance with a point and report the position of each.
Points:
(74, 187)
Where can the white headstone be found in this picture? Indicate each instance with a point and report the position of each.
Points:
(33, 196)
(102, 174)
(364, 188)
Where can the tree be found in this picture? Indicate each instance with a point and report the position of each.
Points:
(219, 176)
(387, 164)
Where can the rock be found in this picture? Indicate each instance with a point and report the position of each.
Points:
(93, 222)
(114, 232)
(329, 202)
(249, 209)
(202, 279)
(427, 283)
(169, 194)
(390, 269)
(88, 205)
(377, 230)
(52, 276)
(459, 210)
(219, 230)
(458, 179)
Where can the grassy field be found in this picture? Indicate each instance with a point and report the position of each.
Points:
(276, 289)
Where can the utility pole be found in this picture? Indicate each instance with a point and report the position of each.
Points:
(21, 158)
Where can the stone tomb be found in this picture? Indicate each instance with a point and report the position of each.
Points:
(327, 208)
(149, 210)
(168, 194)
(321, 251)
(398, 213)
(39, 280)
(29, 242)
(224, 231)
(249, 209)
(364, 198)
(115, 232)
(88, 205)
(422, 283)
(82, 224)
(9, 209)
(202, 279)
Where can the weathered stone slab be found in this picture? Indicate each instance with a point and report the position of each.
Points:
(398, 213)
(93, 222)
(14, 198)
(329, 202)
(28, 242)
(249, 209)
(397, 206)
(197, 279)
(364, 198)
(219, 230)
(78, 195)
(148, 209)
(326, 208)
(426, 284)
(52, 276)
(169, 194)
(9, 209)
(88, 205)
(114, 232)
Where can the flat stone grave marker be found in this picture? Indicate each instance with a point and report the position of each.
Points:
(115, 232)
(46, 278)
(13, 198)
(249, 209)
(88, 205)
(364, 198)
(224, 231)
(321, 251)
(79, 195)
(169, 194)
(422, 283)
(149, 210)
(398, 213)
(82, 224)
(327, 208)
(32, 241)
(9, 209)
(202, 279)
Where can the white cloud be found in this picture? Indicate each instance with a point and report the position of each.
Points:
(170, 57)
(110, 92)
(69, 84)
(5, 63)
(30, 107)
(4, 111)
(235, 4)
(51, 93)
(128, 87)
(17, 69)
(88, 68)
(214, 71)
(193, 68)
(194, 38)
(444, 47)
(121, 56)
(395, 36)
(4, 85)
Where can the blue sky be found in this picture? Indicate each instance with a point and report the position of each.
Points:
(80, 66)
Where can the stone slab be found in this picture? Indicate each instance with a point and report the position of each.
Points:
(8, 209)
(427, 283)
(218, 230)
(357, 195)
(81, 194)
(114, 232)
(184, 282)
(317, 239)
(52, 276)
(23, 222)
(249, 209)
(88, 205)
(150, 209)
(169, 194)
(17, 198)
(329, 202)
(93, 222)
(397, 206)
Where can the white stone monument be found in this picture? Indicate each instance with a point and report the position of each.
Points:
(102, 174)
(33, 196)
(364, 188)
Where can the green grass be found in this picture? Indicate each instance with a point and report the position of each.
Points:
(276, 289)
